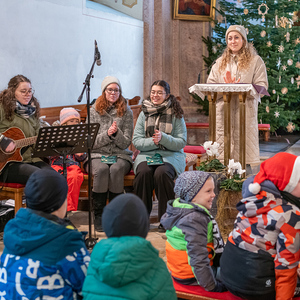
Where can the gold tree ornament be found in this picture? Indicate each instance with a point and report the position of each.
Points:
(284, 90)
(287, 36)
(298, 64)
(290, 127)
(297, 41)
(263, 13)
(269, 44)
(280, 48)
(267, 109)
(263, 33)
(277, 114)
(283, 21)
(246, 11)
(290, 62)
(274, 92)
(298, 81)
(284, 67)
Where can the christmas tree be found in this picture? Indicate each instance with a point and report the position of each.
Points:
(271, 28)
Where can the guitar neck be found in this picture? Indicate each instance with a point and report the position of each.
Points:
(25, 142)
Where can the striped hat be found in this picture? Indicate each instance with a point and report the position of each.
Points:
(67, 114)
(283, 169)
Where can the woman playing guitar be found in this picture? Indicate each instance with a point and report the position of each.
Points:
(19, 119)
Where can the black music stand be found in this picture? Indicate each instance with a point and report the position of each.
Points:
(64, 140)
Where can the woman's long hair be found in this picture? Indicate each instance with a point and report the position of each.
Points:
(178, 111)
(8, 99)
(102, 104)
(245, 56)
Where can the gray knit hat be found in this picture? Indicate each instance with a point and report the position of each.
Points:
(189, 183)
(108, 80)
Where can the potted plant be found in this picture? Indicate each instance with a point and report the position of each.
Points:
(230, 194)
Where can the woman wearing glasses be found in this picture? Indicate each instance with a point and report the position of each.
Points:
(160, 135)
(111, 159)
(19, 109)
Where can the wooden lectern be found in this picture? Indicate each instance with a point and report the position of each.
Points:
(213, 91)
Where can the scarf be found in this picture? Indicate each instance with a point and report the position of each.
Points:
(158, 117)
(290, 198)
(25, 110)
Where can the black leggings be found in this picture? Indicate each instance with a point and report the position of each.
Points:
(19, 172)
(159, 178)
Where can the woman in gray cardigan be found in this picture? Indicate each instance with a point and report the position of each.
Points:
(160, 136)
(111, 159)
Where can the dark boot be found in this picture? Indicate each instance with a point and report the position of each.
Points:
(99, 202)
(112, 195)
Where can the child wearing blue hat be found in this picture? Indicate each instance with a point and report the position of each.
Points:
(194, 243)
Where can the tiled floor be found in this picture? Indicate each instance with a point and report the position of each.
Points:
(267, 149)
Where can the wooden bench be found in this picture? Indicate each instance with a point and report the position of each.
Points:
(265, 128)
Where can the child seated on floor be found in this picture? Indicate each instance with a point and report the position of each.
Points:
(194, 243)
(126, 265)
(261, 256)
(70, 116)
(44, 257)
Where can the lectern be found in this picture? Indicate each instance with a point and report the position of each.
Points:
(213, 92)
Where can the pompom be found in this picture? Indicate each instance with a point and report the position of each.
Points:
(254, 188)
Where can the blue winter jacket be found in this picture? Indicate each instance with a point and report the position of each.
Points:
(42, 258)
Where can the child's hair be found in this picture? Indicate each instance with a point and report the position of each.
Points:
(125, 215)
(68, 113)
(188, 184)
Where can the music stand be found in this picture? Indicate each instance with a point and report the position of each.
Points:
(64, 140)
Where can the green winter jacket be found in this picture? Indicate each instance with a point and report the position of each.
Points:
(30, 127)
(127, 267)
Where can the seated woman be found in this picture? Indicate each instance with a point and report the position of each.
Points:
(20, 109)
(160, 135)
(111, 160)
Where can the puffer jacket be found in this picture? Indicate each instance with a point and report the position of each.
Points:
(193, 242)
(263, 250)
(44, 258)
(127, 267)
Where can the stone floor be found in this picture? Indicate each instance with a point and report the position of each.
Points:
(287, 143)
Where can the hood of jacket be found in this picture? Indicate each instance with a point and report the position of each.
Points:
(252, 205)
(118, 261)
(177, 209)
(32, 235)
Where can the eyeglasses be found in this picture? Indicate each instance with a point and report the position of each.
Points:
(25, 92)
(158, 93)
(110, 91)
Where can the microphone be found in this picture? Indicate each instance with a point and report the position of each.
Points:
(97, 55)
(206, 69)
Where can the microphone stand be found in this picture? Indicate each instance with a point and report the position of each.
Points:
(90, 241)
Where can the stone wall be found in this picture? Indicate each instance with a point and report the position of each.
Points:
(173, 51)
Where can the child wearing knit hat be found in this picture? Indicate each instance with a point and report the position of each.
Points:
(194, 243)
(126, 265)
(70, 116)
(262, 253)
(44, 256)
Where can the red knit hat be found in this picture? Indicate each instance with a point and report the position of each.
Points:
(283, 169)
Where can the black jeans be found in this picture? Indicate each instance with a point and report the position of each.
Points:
(159, 178)
(19, 172)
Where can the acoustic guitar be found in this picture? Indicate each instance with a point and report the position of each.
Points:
(18, 136)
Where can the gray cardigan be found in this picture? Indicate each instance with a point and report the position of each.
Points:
(114, 145)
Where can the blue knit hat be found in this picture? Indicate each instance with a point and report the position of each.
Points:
(188, 184)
